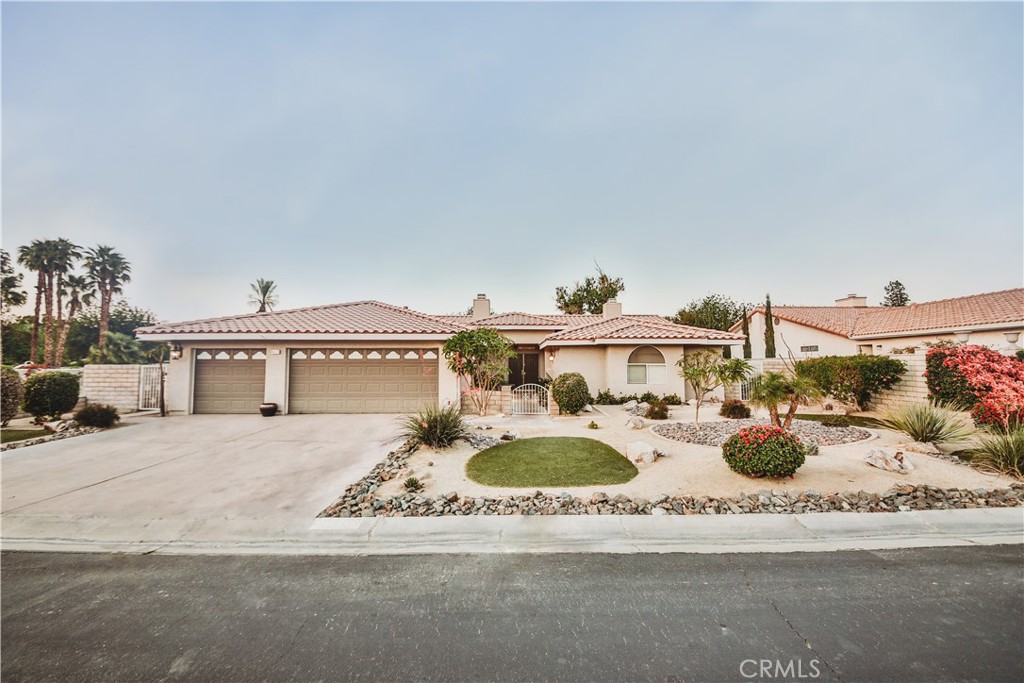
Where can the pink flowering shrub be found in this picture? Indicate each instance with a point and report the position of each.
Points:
(988, 383)
(763, 451)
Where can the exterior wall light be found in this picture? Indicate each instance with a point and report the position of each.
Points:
(963, 336)
(1012, 337)
(175, 350)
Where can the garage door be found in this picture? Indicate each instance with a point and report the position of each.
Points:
(229, 380)
(362, 380)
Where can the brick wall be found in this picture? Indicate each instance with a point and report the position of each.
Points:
(913, 388)
(116, 385)
(499, 402)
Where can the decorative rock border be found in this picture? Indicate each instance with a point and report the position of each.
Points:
(57, 436)
(715, 433)
(359, 500)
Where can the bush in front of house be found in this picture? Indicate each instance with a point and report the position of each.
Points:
(734, 409)
(764, 451)
(929, 423)
(978, 379)
(570, 392)
(11, 393)
(50, 394)
(835, 421)
(657, 410)
(435, 427)
(852, 379)
(97, 415)
(1001, 451)
(672, 399)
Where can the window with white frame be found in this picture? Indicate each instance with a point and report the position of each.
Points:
(646, 365)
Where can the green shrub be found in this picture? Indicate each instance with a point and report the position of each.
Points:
(607, 398)
(658, 410)
(835, 421)
(734, 409)
(593, 425)
(946, 384)
(97, 415)
(1001, 452)
(852, 379)
(648, 397)
(412, 485)
(763, 451)
(672, 399)
(51, 394)
(1020, 355)
(570, 392)
(11, 393)
(434, 427)
(925, 422)
(811, 449)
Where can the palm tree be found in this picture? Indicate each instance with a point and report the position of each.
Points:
(61, 257)
(264, 295)
(801, 391)
(768, 391)
(31, 256)
(80, 291)
(109, 271)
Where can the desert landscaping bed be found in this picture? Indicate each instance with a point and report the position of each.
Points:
(715, 433)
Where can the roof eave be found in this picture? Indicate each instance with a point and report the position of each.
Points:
(290, 336)
(1010, 324)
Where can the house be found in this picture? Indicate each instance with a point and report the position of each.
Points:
(372, 357)
(993, 319)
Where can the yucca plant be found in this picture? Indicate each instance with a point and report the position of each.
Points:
(926, 423)
(435, 427)
(1001, 451)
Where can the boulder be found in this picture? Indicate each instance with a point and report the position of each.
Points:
(891, 462)
(636, 423)
(640, 452)
(588, 408)
(629, 405)
(510, 435)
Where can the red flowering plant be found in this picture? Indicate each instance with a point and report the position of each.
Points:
(764, 451)
(980, 379)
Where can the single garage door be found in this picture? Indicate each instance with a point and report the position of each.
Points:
(362, 380)
(229, 380)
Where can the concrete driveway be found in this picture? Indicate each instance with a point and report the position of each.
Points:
(203, 478)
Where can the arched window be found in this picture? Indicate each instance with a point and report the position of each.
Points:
(646, 365)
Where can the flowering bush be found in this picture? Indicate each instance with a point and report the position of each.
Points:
(763, 451)
(988, 383)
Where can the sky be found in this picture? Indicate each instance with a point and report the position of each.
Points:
(421, 153)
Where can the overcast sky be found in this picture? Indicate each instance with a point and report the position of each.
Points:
(419, 154)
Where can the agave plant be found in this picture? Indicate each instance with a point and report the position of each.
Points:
(926, 423)
(1001, 451)
(435, 427)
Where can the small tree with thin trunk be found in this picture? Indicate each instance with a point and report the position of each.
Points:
(706, 370)
(480, 358)
(769, 328)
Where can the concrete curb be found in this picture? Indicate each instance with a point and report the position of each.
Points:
(821, 532)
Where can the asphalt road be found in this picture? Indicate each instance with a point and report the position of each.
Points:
(949, 614)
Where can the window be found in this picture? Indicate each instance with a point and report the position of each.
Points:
(646, 365)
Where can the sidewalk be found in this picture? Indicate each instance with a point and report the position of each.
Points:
(560, 534)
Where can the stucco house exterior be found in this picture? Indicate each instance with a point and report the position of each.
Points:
(993, 319)
(372, 357)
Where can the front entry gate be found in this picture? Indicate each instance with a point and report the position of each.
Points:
(530, 399)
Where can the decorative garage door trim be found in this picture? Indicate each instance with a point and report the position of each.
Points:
(229, 380)
(361, 380)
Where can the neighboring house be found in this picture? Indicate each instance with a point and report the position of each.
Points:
(993, 319)
(371, 357)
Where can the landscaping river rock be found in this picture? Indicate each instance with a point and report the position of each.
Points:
(715, 433)
(359, 500)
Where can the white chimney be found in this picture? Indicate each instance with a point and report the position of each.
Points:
(481, 307)
(611, 309)
(852, 301)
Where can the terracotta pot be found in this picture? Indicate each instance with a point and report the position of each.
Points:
(268, 409)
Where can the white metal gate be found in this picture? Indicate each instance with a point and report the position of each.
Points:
(530, 399)
(747, 385)
(149, 387)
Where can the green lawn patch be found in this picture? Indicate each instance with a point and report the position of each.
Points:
(9, 435)
(550, 461)
(855, 421)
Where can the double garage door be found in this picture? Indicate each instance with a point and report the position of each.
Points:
(361, 380)
(368, 380)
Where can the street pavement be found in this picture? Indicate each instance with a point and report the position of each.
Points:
(948, 614)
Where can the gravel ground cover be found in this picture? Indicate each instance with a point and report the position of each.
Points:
(715, 433)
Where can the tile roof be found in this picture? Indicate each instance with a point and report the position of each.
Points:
(990, 308)
(358, 317)
(518, 319)
(638, 327)
(835, 319)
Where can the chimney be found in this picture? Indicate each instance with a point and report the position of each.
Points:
(611, 309)
(481, 307)
(852, 301)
